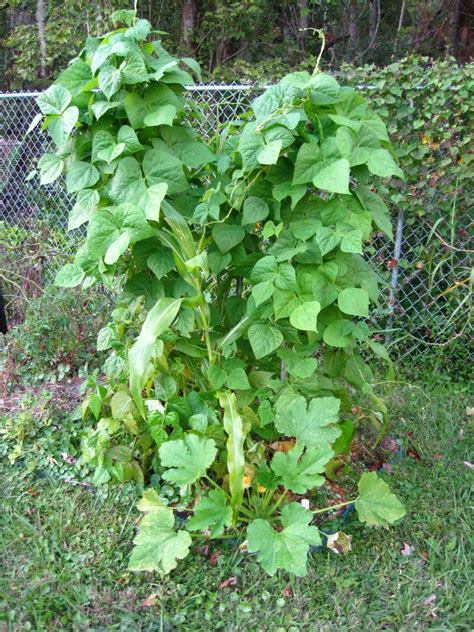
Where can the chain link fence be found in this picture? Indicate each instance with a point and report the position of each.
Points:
(427, 271)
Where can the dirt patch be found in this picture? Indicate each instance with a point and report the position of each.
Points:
(63, 396)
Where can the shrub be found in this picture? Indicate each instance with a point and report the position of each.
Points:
(56, 339)
(238, 335)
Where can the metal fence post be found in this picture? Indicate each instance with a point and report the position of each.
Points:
(397, 253)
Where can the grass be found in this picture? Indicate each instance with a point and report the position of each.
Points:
(64, 553)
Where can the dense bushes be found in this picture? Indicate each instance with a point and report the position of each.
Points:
(428, 108)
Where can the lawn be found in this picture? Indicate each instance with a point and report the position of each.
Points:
(64, 551)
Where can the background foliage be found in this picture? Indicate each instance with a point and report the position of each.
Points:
(251, 39)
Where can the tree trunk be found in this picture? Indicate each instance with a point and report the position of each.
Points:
(353, 30)
(399, 29)
(374, 23)
(372, 19)
(41, 36)
(453, 26)
(189, 15)
(302, 23)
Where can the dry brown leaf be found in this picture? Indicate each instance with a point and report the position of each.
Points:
(227, 583)
(282, 446)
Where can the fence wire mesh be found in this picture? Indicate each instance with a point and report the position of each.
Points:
(427, 278)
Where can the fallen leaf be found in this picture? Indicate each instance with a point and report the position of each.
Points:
(287, 591)
(339, 542)
(151, 600)
(203, 550)
(469, 465)
(407, 549)
(389, 443)
(470, 412)
(437, 456)
(424, 554)
(214, 557)
(429, 600)
(414, 454)
(388, 468)
(231, 581)
(282, 446)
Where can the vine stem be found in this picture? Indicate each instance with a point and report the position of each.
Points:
(226, 536)
(207, 338)
(322, 37)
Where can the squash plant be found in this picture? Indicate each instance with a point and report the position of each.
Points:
(238, 340)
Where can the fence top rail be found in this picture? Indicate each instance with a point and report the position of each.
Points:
(202, 87)
(211, 87)
(18, 95)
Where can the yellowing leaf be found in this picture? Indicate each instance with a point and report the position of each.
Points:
(157, 545)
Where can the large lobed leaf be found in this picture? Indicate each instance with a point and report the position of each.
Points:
(288, 548)
(313, 425)
(212, 512)
(187, 459)
(300, 472)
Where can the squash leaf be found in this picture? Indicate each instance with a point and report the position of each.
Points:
(286, 549)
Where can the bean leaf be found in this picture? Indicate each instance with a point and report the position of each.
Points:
(264, 339)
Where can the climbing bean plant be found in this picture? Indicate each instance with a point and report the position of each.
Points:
(243, 296)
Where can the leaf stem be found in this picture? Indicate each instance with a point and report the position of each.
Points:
(278, 503)
(216, 485)
(267, 498)
(225, 536)
(325, 509)
(245, 511)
